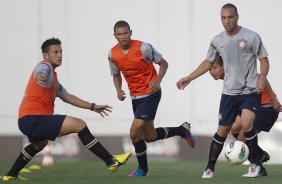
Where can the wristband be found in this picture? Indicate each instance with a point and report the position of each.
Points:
(92, 106)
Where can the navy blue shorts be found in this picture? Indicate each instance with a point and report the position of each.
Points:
(41, 127)
(146, 108)
(265, 119)
(230, 106)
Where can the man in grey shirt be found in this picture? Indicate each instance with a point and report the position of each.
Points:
(240, 48)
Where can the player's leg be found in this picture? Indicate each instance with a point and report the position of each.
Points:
(139, 144)
(250, 105)
(25, 156)
(76, 125)
(227, 115)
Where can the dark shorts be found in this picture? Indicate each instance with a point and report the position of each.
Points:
(265, 119)
(41, 127)
(146, 108)
(230, 106)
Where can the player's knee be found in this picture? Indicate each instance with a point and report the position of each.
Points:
(134, 137)
(40, 145)
(80, 125)
(149, 139)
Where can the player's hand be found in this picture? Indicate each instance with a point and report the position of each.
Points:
(260, 84)
(41, 78)
(155, 85)
(276, 105)
(121, 95)
(182, 83)
(103, 110)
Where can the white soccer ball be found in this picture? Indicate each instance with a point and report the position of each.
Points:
(236, 152)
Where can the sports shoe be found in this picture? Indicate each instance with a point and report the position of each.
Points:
(262, 171)
(253, 172)
(118, 161)
(8, 178)
(139, 172)
(208, 174)
(265, 157)
(188, 135)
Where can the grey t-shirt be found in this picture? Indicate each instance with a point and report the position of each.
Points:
(46, 69)
(149, 54)
(239, 53)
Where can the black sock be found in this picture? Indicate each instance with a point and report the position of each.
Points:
(141, 154)
(91, 143)
(26, 155)
(252, 143)
(215, 149)
(167, 132)
(260, 151)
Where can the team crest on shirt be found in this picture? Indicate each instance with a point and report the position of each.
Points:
(242, 44)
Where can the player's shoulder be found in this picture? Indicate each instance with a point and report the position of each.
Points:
(249, 32)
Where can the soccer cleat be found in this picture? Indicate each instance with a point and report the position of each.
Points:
(188, 135)
(253, 172)
(139, 173)
(265, 157)
(208, 174)
(262, 171)
(8, 178)
(118, 161)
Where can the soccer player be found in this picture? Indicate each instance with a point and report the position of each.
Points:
(265, 117)
(38, 122)
(134, 59)
(240, 48)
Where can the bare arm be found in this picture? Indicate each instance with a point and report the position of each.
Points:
(264, 68)
(202, 68)
(155, 85)
(118, 85)
(75, 101)
(275, 102)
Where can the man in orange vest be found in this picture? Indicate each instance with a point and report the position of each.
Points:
(135, 60)
(38, 122)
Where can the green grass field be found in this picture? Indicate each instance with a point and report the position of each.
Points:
(180, 172)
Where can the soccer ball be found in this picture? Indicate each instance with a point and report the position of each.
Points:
(236, 152)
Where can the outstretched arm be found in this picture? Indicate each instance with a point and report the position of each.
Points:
(202, 68)
(75, 101)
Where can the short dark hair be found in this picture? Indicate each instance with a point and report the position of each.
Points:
(229, 5)
(121, 23)
(218, 59)
(47, 43)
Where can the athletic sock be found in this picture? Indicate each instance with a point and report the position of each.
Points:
(260, 151)
(141, 154)
(167, 132)
(92, 144)
(215, 149)
(252, 143)
(26, 155)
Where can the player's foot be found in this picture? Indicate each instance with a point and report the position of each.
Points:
(8, 178)
(262, 171)
(118, 161)
(265, 157)
(139, 172)
(253, 172)
(208, 174)
(188, 135)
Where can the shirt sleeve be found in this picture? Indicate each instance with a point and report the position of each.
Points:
(45, 69)
(149, 53)
(212, 52)
(113, 67)
(60, 90)
(259, 48)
